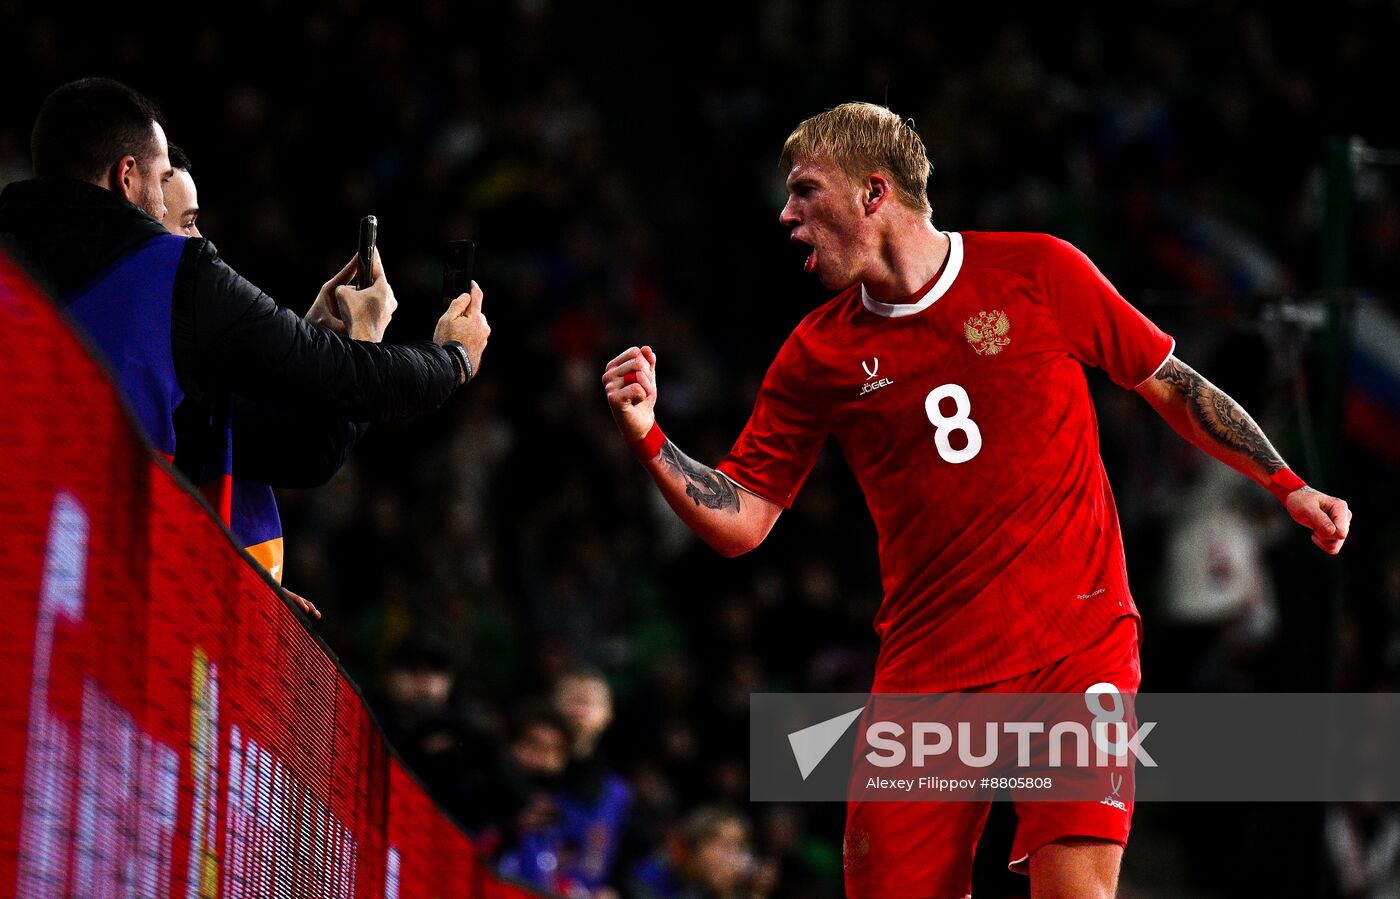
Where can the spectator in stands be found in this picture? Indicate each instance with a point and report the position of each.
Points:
(709, 858)
(593, 799)
(535, 849)
(462, 762)
(185, 334)
(181, 196)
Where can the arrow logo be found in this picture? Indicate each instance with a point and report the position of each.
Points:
(811, 744)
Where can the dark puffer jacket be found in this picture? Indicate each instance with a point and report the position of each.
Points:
(231, 343)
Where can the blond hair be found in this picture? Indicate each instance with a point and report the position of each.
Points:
(862, 138)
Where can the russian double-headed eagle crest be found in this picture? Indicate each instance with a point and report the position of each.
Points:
(987, 331)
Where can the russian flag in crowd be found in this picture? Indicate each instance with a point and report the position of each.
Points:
(1373, 399)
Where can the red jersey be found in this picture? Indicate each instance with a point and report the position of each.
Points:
(967, 421)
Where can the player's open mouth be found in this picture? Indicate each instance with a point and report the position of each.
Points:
(809, 265)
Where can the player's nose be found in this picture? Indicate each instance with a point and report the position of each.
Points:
(789, 218)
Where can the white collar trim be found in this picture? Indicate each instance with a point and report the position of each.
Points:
(945, 281)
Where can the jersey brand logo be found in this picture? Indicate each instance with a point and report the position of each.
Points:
(1115, 783)
(871, 385)
(987, 331)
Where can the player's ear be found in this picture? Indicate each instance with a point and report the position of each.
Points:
(877, 191)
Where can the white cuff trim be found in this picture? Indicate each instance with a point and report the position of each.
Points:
(1159, 366)
(753, 492)
(741, 486)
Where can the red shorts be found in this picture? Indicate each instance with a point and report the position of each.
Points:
(925, 849)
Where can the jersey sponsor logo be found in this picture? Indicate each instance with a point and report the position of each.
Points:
(987, 331)
(872, 368)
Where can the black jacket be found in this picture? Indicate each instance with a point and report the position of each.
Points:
(295, 388)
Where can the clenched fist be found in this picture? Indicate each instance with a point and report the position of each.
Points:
(630, 383)
(1327, 517)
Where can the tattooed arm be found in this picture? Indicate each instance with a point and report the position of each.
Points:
(727, 517)
(1205, 415)
(724, 515)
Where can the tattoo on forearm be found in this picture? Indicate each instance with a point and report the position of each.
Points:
(704, 485)
(1219, 416)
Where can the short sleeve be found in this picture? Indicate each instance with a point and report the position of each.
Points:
(785, 433)
(1101, 328)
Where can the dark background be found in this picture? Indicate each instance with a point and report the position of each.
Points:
(617, 169)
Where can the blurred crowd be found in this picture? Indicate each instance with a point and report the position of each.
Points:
(558, 659)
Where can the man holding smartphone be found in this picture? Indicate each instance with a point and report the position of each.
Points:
(276, 448)
(189, 340)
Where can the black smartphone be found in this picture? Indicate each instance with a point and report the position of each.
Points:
(369, 233)
(457, 259)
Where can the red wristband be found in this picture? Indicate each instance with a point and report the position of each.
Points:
(1284, 482)
(649, 447)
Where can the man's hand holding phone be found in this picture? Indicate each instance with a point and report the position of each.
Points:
(364, 313)
(367, 312)
(359, 313)
(465, 323)
(458, 259)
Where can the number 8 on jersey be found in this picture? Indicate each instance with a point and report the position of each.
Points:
(944, 425)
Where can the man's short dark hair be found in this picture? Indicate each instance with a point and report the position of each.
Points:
(85, 126)
(179, 159)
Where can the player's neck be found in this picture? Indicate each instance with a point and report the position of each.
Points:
(908, 264)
